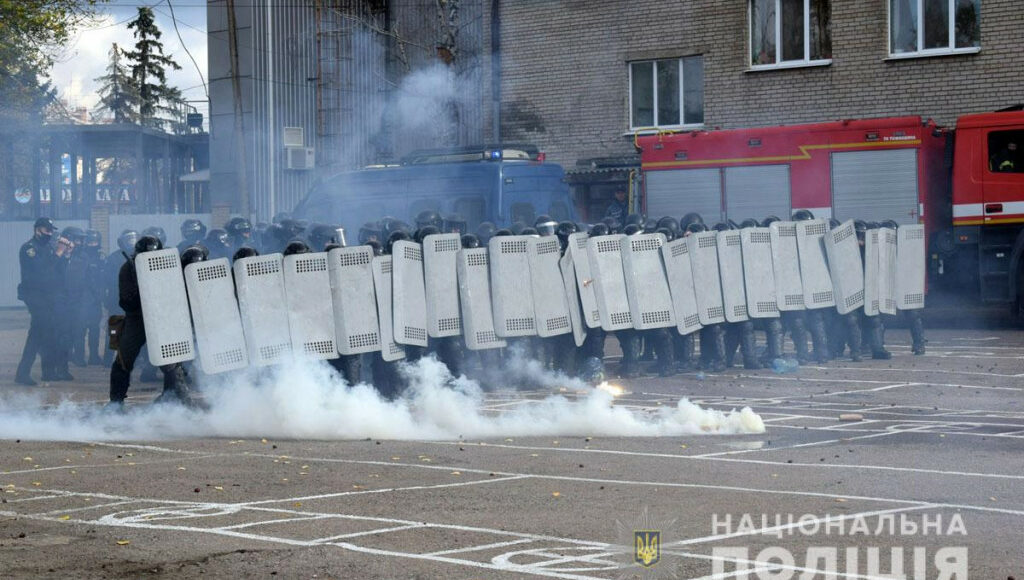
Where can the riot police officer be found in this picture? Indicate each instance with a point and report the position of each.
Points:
(815, 318)
(239, 232)
(91, 311)
(71, 271)
(218, 243)
(455, 224)
(157, 232)
(429, 217)
(192, 232)
(322, 234)
(37, 290)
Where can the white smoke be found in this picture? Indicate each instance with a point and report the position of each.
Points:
(307, 401)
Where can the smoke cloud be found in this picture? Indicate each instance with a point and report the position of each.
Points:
(303, 400)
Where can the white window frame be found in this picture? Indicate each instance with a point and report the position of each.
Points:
(921, 51)
(806, 61)
(682, 97)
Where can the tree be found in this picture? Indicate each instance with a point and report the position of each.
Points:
(156, 98)
(118, 94)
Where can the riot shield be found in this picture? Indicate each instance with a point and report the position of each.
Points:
(307, 288)
(511, 289)
(382, 267)
(605, 254)
(872, 265)
(707, 285)
(845, 267)
(577, 248)
(551, 312)
(572, 297)
(650, 300)
(164, 307)
(789, 290)
(887, 271)
(355, 303)
(409, 301)
(730, 268)
(220, 340)
(259, 281)
(910, 266)
(758, 276)
(475, 299)
(814, 275)
(441, 283)
(680, 282)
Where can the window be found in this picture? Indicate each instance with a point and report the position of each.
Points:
(666, 93)
(790, 33)
(522, 212)
(924, 27)
(1004, 153)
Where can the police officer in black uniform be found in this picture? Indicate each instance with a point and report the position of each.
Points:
(38, 291)
(72, 271)
(218, 243)
(814, 319)
(91, 310)
(111, 267)
(239, 232)
(192, 232)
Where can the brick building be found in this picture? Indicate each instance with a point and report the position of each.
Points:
(578, 76)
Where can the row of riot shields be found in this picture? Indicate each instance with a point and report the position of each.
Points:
(348, 301)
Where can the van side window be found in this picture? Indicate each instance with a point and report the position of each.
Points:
(522, 212)
(472, 209)
(559, 211)
(1004, 151)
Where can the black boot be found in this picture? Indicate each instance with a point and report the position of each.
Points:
(798, 332)
(773, 336)
(748, 346)
(853, 335)
(819, 338)
(878, 342)
(916, 332)
(683, 346)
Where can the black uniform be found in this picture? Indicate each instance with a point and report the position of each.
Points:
(91, 309)
(38, 290)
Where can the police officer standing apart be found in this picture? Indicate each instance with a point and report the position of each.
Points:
(38, 291)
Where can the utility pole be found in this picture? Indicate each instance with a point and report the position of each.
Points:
(241, 166)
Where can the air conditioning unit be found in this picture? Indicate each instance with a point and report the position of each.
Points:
(300, 157)
(294, 137)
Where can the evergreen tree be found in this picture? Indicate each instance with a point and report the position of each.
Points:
(149, 72)
(118, 96)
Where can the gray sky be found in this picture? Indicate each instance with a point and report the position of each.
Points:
(85, 57)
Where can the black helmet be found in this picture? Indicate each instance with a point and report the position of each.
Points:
(599, 229)
(631, 230)
(637, 219)
(239, 229)
(861, 227)
(873, 225)
(696, 228)
(833, 223)
(502, 232)
(545, 226)
(157, 232)
(93, 238)
(613, 224)
(244, 252)
(690, 218)
(669, 234)
(802, 215)
(398, 236)
(296, 247)
(74, 234)
(217, 239)
(292, 228)
(148, 244)
(126, 241)
(281, 216)
(45, 223)
(891, 224)
(668, 222)
(454, 224)
(650, 225)
(484, 231)
(429, 217)
(369, 231)
(321, 235)
(528, 231)
(425, 231)
(332, 246)
(517, 227)
(722, 226)
(749, 223)
(565, 229)
(470, 241)
(375, 246)
(193, 254)
(770, 220)
(192, 230)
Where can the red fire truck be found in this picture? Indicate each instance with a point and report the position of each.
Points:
(965, 184)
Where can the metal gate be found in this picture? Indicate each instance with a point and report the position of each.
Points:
(875, 185)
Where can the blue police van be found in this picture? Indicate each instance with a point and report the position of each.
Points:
(500, 185)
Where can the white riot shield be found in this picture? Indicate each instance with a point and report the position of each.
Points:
(871, 271)
(887, 271)
(307, 288)
(730, 268)
(845, 267)
(680, 282)
(707, 285)
(572, 297)
(408, 294)
(164, 307)
(758, 276)
(382, 267)
(220, 340)
(584, 280)
(910, 270)
(605, 254)
(814, 275)
(650, 300)
(259, 282)
(511, 289)
(442, 285)
(475, 299)
(550, 308)
(789, 290)
(356, 327)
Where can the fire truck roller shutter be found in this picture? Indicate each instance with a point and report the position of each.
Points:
(875, 185)
(679, 191)
(752, 192)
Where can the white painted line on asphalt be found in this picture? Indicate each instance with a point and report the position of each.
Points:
(797, 446)
(268, 522)
(384, 490)
(373, 532)
(84, 508)
(482, 547)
